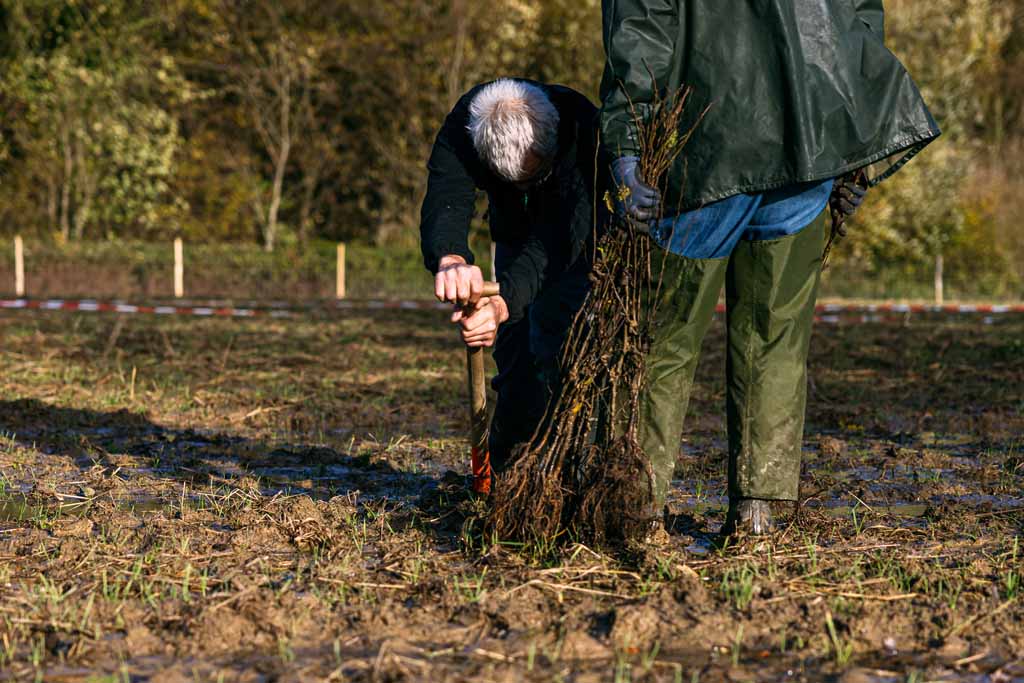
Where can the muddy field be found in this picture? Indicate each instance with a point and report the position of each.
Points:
(220, 500)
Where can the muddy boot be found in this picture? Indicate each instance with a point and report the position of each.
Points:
(658, 535)
(771, 290)
(749, 516)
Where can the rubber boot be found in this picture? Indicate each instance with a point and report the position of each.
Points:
(771, 290)
(686, 305)
(749, 516)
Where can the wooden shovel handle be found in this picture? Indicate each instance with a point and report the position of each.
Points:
(477, 386)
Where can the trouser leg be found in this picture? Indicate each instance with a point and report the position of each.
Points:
(771, 290)
(688, 295)
(520, 394)
(551, 316)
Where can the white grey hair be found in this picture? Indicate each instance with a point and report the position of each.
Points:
(507, 120)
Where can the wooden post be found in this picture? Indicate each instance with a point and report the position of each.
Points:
(340, 290)
(940, 293)
(19, 266)
(179, 268)
(494, 263)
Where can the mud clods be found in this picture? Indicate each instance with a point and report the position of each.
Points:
(176, 539)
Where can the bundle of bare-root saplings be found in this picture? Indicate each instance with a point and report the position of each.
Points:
(584, 476)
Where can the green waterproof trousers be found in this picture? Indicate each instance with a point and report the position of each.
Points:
(771, 291)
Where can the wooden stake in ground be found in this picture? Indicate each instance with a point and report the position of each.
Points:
(179, 269)
(340, 272)
(19, 266)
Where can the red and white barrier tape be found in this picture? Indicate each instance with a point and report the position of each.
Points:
(89, 306)
(214, 309)
(991, 309)
(827, 313)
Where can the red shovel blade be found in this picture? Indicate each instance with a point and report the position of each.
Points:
(481, 471)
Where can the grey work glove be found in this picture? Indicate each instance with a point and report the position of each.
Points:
(633, 198)
(848, 194)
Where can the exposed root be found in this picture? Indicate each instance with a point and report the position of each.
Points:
(614, 505)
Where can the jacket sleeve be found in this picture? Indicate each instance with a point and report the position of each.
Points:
(639, 42)
(872, 13)
(451, 196)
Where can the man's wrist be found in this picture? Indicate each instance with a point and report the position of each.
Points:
(450, 260)
(501, 308)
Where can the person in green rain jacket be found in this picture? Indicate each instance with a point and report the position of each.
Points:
(794, 105)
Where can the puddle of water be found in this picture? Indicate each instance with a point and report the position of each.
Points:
(842, 508)
(146, 504)
(704, 507)
(908, 510)
(314, 473)
(997, 502)
(700, 546)
(22, 508)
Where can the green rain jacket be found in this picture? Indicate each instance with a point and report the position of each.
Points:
(794, 91)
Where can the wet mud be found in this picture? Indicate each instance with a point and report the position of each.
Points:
(286, 501)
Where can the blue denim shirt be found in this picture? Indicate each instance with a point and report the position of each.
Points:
(713, 231)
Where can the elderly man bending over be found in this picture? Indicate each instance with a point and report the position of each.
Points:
(532, 148)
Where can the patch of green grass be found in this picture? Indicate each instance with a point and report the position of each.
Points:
(1012, 573)
(472, 586)
(737, 585)
(842, 650)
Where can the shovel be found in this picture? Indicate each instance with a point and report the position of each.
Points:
(478, 416)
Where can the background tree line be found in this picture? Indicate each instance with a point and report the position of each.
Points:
(285, 121)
